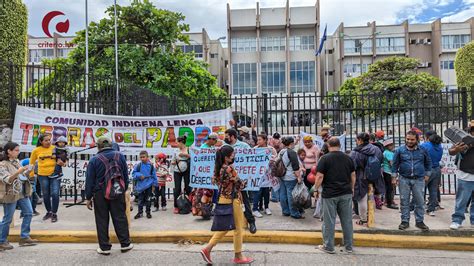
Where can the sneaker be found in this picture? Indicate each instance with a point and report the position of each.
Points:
(349, 250)
(440, 207)
(243, 261)
(156, 209)
(404, 225)
(268, 211)
(47, 216)
(103, 252)
(148, 215)
(422, 226)
(393, 206)
(35, 213)
(431, 213)
(206, 256)
(139, 215)
(25, 242)
(127, 248)
(455, 226)
(163, 208)
(257, 214)
(176, 211)
(54, 217)
(324, 249)
(40, 201)
(6, 246)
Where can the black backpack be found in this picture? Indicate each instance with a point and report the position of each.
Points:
(184, 204)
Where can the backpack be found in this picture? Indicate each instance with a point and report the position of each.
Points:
(113, 179)
(139, 167)
(373, 168)
(184, 204)
(279, 168)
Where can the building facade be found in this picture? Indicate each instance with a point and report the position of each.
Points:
(350, 50)
(272, 50)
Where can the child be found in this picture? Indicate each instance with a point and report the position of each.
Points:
(162, 173)
(61, 153)
(145, 175)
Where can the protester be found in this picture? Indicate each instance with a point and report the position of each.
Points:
(380, 135)
(211, 141)
(181, 163)
(248, 135)
(15, 190)
(288, 182)
(465, 181)
(389, 146)
(61, 154)
(145, 175)
(43, 156)
(263, 195)
(325, 136)
(230, 192)
(162, 173)
(373, 139)
(411, 169)
(360, 156)
(96, 181)
(435, 150)
(336, 175)
(311, 159)
(231, 139)
(33, 180)
(275, 142)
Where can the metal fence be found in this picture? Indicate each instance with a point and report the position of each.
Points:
(289, 114)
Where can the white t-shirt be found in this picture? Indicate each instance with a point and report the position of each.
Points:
(464, 176)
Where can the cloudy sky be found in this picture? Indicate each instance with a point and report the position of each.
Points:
(211, 14)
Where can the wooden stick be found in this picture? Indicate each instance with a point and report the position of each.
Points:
(371, 207)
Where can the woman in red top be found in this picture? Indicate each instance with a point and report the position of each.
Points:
(230, 187)
(312, 157)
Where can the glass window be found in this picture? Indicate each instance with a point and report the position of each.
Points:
(353, 46)
(273, 77)
(396, 44)
(355, 68)
(244, 78)
(449, 64)
(455, 41)
(300, 43)
(302, 76)
(272, 44)
(244, 45)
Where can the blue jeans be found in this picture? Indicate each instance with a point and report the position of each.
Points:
(463, 196)
(416, 187)
(432, 186)
(341, 206)
(286, 199)
(50, 188)
(9, 210)
(275, 195)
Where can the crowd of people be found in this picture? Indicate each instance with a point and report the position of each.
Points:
(338, 181)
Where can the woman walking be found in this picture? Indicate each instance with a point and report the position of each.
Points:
(15, 190)
(230, 187)
(45, 157)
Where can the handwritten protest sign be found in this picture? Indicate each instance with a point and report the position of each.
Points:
(250, 164)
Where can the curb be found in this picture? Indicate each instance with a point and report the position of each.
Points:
(275, 237)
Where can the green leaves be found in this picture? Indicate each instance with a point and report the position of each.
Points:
(464, 66)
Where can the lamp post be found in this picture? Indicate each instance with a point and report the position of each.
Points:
(117, 92)
(361, 44)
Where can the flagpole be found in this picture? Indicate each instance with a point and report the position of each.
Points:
(87, 52)
(327, 69)
(117, 95)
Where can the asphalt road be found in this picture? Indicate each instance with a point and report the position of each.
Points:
(265, 254)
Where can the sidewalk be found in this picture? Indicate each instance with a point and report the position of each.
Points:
(79, 218)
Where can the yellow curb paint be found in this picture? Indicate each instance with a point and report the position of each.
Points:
(276, 237)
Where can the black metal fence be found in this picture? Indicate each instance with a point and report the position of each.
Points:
(288, 114)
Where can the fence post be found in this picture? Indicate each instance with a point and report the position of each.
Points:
(265, 113)
(464, 108)
(472, 103)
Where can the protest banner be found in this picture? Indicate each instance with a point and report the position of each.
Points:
(250, 164)
(67, 181)
(132, 134)
(319, 141)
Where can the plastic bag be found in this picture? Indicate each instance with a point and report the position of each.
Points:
(318, 210)
(300, 196)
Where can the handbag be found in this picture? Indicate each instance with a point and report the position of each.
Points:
(224, 215)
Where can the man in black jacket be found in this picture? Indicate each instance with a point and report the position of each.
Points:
(95, 185)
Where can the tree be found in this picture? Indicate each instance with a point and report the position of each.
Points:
(392, 82)
(464, 66)
(13, 44)
(147, 53)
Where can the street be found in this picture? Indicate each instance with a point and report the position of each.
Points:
(264, 254)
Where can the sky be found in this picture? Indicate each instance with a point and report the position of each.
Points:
(211, 14)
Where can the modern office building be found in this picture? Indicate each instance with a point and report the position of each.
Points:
(272, 50)
(434, 44)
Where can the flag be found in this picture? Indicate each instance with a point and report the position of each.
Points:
(323, 39)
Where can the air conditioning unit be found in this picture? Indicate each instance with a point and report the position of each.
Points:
(427, 41)
(418, 41)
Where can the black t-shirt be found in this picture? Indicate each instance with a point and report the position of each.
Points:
(337, 168)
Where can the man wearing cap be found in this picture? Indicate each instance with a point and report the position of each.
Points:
(103, 208)
(325, 136)
(248, 135)
(387, 173)
(211, 141)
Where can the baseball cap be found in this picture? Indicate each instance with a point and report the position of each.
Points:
(62, 139)
(380, 134)
(244, 129)
(213, 135)
(388, 142)
(104, 141)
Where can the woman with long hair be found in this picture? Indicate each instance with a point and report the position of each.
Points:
(43, 155)
(230, 187)
(15, 190)
(181, 165)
